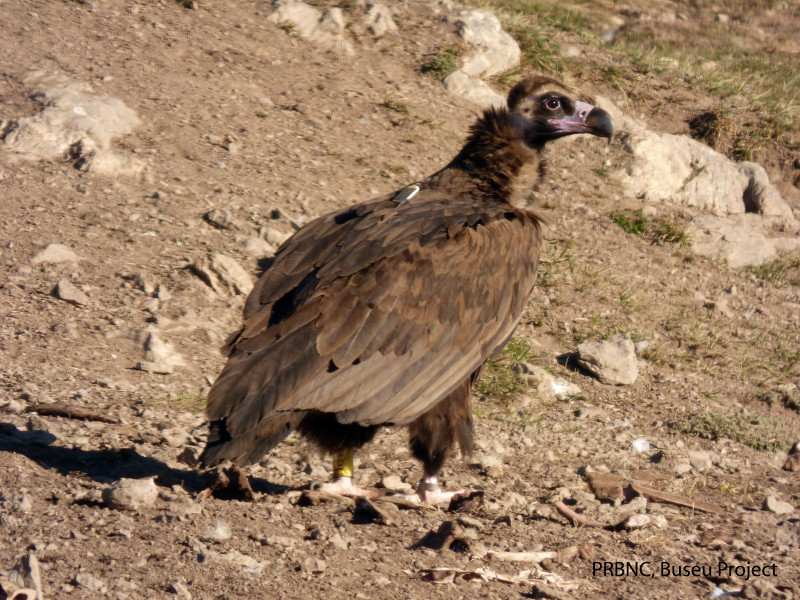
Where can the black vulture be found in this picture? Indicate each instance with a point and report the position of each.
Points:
(384, 312)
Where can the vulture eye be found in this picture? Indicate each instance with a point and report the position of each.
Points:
(552, 104)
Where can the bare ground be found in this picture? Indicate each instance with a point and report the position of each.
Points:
(334, 131)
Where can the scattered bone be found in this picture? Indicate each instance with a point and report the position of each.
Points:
(71, 412)
(575, 518)
(665, 497)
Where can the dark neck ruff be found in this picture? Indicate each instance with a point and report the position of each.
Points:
(496, 154)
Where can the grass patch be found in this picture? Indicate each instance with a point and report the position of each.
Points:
(631, 221)
(499, 378)
(667, 231)
(444, 62)
(760, 433)
(779, 272)
(193, 403)
(398, 105)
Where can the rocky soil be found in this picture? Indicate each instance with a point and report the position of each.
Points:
(209, 132)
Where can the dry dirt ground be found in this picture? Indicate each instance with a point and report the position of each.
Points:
(242, 117)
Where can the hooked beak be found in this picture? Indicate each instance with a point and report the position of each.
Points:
(585, 119)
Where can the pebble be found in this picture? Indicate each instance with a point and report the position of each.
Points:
(68, 292)
(89, 582)
(131, 494)
(779, 507)
(55, 254)
(179, 589)
(231, 273)
(255, 246)
(220, 533)
(393, 482)
(612, 361)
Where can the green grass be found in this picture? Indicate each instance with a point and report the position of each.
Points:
(499, 379)
(667, 231)
(780, 272)
(193, 403)
(631, 221)
(760, 433)
(444, 62)
(398, 105)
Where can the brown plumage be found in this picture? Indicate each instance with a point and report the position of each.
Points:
(384, 312)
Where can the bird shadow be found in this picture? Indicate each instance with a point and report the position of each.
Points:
(107, 466)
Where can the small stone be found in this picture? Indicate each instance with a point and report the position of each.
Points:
(55, 254)
(257, 247)
(89, 582)
(637, 521)
(68, 292)
(378, 20)
(231, 273)
(682, 468)
(338, 541)
(157, 350)
(612, 361)
(180, 590)
(605, 486)
(131, 494)
(779, 507)
(275, 237)
(393, 482)
(162, 293)
(220, 533)
(700, 460)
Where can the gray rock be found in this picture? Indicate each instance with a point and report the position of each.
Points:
(700, 460)
(275, 237)
(55, 254)
(612, 361)
(89, 582)
(760, 196)
(232, 557)
(179, 589)
(257, 247)
(679, 170)
(131, 494)
(68, 292)
(73, 118)
(491, 50)
(326, 30)
(157, 350)
(779, 507)
(110, 164)
(473, 89)
(738, 239)
(393, 482)
(219, 533)
(231, 273)
(547, 385)
(378, 20)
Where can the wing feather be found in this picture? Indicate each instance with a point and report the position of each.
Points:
(378, 312)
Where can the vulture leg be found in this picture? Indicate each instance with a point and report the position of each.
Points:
(433, 435)
(340, 440)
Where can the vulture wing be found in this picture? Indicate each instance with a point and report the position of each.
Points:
(377, 312)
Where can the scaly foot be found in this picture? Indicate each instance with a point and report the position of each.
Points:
(344, 486)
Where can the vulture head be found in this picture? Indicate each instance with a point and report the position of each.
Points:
(543, 109)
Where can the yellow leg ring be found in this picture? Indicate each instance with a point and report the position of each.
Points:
(343, 463)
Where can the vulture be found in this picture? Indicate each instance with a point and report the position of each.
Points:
(384, 312)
